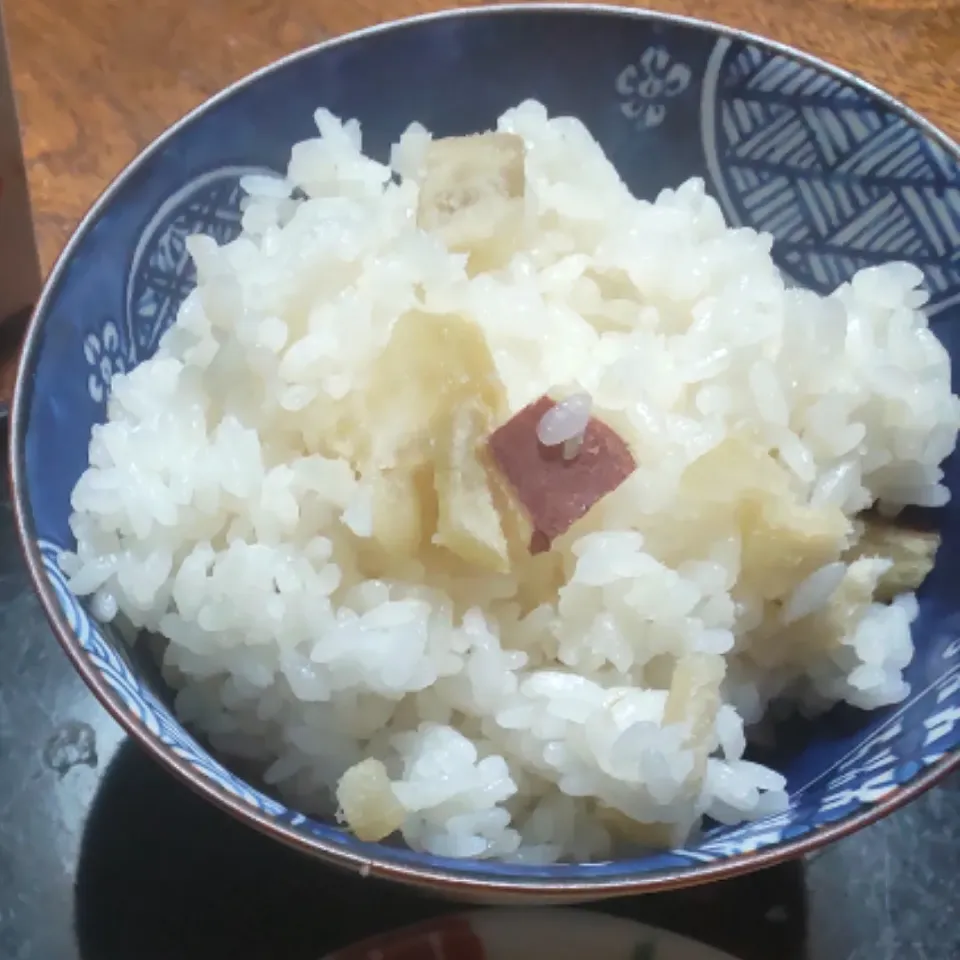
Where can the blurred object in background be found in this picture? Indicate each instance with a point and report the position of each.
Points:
(19, 263)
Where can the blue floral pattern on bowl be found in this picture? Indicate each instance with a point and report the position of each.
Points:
(841, 176)
(106, 355)
(646, 86)
(161, 272)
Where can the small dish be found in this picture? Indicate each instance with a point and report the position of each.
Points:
(520, 934)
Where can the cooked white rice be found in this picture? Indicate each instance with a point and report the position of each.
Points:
(502, 722)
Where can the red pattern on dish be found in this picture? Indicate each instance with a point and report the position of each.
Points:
(449, 938)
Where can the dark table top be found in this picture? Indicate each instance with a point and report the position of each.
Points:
(103, 856)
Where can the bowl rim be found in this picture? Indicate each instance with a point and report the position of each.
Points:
(467, 885)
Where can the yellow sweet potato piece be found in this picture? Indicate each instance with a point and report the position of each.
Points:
(468, 523)
(913, 553)
(784, 539)
(472, 195)
(649, 836)
(366, 801)
(432, 364)
(784, 542)
(433, 398)
(811, 638)
(694, 700)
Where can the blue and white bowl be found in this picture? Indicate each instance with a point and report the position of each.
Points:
(841, 175)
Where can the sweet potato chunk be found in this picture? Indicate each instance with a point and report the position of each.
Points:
(813, 637)
(472, 195)
(555, 492)
(432, 364)
(366, 801)
(913, 553)
(694, 700)
(784, 538)
(434, 398)
(468, 524)
(399, 511)
(646, 836)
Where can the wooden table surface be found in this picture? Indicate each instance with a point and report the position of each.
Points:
(98, 79)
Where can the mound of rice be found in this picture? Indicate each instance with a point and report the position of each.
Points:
(523, 716)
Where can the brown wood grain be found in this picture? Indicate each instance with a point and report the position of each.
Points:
(98, 79)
